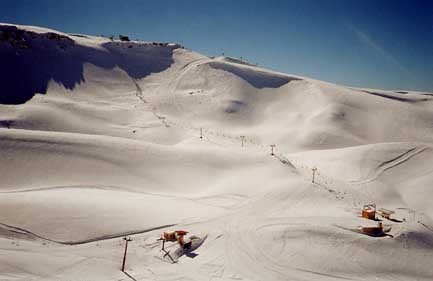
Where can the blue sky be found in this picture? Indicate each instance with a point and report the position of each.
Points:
(376, 44)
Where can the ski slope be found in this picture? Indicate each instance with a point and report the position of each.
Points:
(100, 139)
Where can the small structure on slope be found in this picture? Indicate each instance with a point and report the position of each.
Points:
(369, 211)
(377, 231)
(385, 213)
(123, 38)
(187, 244)
(175, 236)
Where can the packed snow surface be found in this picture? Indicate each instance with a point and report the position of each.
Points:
(102, 139)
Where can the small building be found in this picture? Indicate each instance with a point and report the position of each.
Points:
(373, 230)
(385, 213)
(124, 38)
(369, 211)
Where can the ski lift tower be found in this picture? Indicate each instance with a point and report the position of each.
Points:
(272, 149)
(314, 173)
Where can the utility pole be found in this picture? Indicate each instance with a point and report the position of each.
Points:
(272, 149)
(201, 133)
(314, 173)
(127, 239)
(242, 140)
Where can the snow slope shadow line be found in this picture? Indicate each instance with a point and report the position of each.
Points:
(317, 273)
(138, 91)
(285, 161)
(255, 77)
(399, 98)
(425, 225)
(79, 242)
(127, 274)
(400, 159)
(191, 63)
(95, 187)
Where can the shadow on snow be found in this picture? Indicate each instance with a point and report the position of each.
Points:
(30, 60)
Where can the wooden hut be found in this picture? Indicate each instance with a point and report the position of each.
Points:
(369, 211)
(373, 230)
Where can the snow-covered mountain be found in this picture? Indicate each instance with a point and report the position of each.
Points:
(100, 138)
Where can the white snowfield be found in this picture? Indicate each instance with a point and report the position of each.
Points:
(100, 139)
